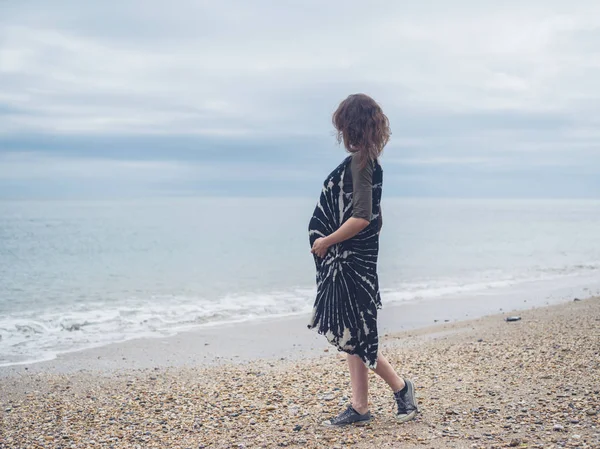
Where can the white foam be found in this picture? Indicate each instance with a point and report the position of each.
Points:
(36, 335)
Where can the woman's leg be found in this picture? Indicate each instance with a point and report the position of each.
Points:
(387, 373)
(404, 391)
(359, 379)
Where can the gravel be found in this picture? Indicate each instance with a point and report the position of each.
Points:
(532, 384)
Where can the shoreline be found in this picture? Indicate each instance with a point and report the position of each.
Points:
(274, 338)
(481, 383)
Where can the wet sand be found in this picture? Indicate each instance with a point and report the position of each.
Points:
(482, 383)
(289, 338)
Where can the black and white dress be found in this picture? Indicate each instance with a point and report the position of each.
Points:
(345, 310)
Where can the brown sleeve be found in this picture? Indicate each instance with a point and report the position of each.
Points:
(362, 186)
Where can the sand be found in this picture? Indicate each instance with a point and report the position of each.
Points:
(284, 337)
(481, 384)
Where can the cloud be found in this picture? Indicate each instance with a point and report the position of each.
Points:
(472, 85)
(40, 166)
(48, 175)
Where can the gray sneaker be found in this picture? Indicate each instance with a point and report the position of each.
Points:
(350, 416)
(406, 402)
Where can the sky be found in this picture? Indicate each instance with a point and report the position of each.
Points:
(234, 98)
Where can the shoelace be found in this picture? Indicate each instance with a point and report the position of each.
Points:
(401, 405)
(342, 416)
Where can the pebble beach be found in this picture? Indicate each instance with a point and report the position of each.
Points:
(485, 383)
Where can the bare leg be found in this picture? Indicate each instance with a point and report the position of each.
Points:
(387, 373)
(359, 379)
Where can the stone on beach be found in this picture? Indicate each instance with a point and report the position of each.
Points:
(526, 386)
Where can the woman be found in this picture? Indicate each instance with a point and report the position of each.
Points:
(344, 236)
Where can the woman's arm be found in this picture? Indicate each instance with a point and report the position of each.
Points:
(349, 229)
(362, 189)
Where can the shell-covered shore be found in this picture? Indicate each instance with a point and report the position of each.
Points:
(487, 383)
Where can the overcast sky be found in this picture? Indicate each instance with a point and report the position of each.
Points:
(145, 97)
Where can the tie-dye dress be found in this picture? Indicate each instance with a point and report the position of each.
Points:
(345, 310)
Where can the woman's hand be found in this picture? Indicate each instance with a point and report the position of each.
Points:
(349, 229)
(320, 247)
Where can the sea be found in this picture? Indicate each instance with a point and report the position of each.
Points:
(81, 274)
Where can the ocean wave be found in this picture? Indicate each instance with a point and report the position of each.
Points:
(30, 336)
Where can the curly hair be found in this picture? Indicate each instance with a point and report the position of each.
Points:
(362, 126)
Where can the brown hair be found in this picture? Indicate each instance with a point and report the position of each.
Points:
(362, 126)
